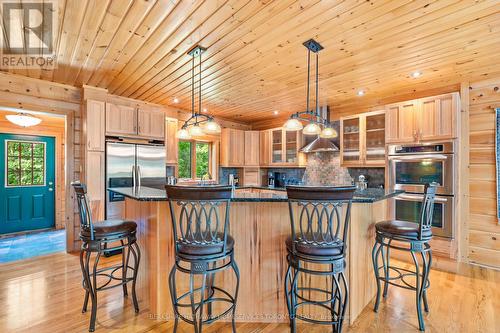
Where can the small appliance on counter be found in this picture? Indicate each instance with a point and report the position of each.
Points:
(362, 183)
(270, 180)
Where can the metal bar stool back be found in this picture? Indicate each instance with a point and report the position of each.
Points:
(203, 246)
(319, 219)
(99, 239)
(410, 237)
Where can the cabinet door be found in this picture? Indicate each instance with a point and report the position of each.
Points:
(350, 141)
(252, 145)
(400, 122)
(374, 141)
(277, 146)
(95, 123)
(121, 120)
(237, 157)
(291, 147)
(151, 124)
(437, 118)
(95, 182)
(171, 141)
(265, 145)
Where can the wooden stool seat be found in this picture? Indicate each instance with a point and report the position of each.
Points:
(402, 229)
(110, 229)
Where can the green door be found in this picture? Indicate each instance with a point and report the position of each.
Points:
(26, 183)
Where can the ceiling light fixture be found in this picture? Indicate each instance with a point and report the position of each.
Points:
(176, 100)
(416, 74)
(23, 119)
(275, 112)
(317, 125)
(361, 92)
(198, 124)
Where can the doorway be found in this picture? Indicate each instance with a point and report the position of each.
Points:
(27, 178)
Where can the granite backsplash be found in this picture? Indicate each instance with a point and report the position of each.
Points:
(323, 169)
(374, 176)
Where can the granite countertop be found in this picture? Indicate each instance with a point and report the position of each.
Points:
(151, 194)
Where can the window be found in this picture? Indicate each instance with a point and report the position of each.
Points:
(194, 159)
(25, 163)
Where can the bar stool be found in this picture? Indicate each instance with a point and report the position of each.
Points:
(317, 246)
(410, 237)
(100, 238)
(203, 247)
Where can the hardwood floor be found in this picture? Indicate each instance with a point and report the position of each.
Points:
(44, 294)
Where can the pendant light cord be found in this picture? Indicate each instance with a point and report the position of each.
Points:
(308, 77)
(317, 87)
(199, 83)
(192, 86)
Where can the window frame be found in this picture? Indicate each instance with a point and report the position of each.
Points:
(6, 156)
(193, 158)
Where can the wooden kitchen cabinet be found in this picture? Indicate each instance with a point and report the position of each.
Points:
(265, 148)
(95, 175)
(426, 119)
(121, 120)
(252, 145)
(151, 124)
(232, 148)
(362, 140)
(95, 125)
(282, 147)
(171, 141)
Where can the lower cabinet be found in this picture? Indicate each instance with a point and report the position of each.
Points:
(95, 183)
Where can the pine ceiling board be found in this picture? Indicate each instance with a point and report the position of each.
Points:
(211, 31)
(74, 13)
(247, 82)
(60, 9)
(223, 46)
(115, 14)
(132, 20)
(182, 31)
(329, 56)
(159, 13)
(94, 16)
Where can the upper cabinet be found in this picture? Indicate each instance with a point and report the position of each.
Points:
(121, 120)
(232, 148)
(151, 124)
(362, 140)
(281, 148)
(94, 124)
(129, 121)
(252, 148)
(171, 141)
(426, 119)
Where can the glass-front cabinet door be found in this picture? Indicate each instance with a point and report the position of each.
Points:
(375, 138)
(291, 147)
(277, 146)
(351, 141)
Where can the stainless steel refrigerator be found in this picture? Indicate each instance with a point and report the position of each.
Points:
(130, 164)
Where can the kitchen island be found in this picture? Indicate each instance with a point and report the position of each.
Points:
(259, 225)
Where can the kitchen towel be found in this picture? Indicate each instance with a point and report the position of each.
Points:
(497, 159)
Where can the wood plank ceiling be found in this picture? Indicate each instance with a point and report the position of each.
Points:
(256, 64)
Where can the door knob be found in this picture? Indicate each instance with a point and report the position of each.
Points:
(51, 183)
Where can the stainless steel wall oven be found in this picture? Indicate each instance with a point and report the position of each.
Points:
(414, 165)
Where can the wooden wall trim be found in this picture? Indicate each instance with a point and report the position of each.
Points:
(463, 172)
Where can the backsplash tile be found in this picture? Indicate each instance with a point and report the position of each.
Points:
(374, 176)
(323, 168)
(225, 172)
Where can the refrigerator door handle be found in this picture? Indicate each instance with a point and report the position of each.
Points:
(139, 176)
(134, 180)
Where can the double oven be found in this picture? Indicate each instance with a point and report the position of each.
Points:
(414, 165)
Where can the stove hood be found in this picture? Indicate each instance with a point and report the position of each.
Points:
(320, 145)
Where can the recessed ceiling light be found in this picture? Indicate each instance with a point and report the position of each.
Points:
(416, 74)
(275, 112)
(205, 110)
(360, 92)
(176, 100)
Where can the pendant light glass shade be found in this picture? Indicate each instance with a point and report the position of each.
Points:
(23, 119)
(195, 130)
(293, 125)
(183, 134)
(311, 129)
(328, 133)
(211, 127)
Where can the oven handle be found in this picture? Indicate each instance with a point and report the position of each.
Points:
(419, 198)
(439, 157)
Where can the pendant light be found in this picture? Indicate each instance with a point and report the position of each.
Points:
(198, 124)
(317, 124)
(23, 119)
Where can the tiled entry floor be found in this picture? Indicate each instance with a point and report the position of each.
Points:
(32, 245)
